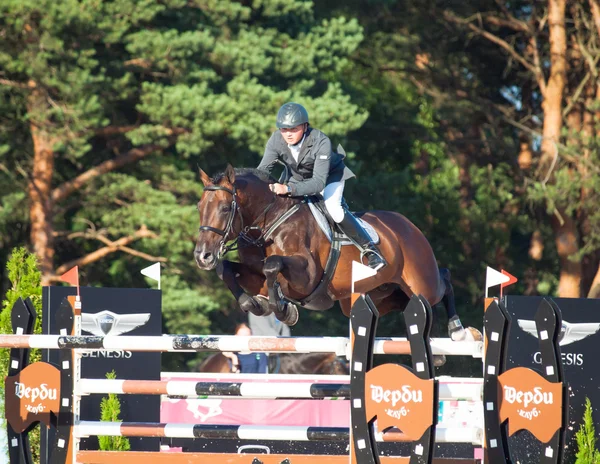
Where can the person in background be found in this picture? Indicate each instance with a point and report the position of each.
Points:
(269, 326)
(246, 362)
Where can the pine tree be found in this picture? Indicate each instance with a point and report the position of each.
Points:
(586, 438)
(108, 107)
(110, 410)
(24, 276)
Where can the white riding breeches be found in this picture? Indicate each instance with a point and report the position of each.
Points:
(333, 194)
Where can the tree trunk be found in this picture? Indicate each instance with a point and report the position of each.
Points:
(40, 186)
(564, 227)
(567, 244)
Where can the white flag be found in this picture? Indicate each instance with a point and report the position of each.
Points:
(492, 278)
(361, 272)
(153, 272)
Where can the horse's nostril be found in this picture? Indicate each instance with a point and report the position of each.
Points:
(206, 256)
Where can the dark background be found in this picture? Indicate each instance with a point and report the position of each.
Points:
(582, 377)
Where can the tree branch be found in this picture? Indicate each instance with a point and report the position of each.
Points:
(111, 247)
(133, 155)
(492, 38)
(539, 74)
(521, 24)
(14, 84)
(511, 23)
(114, 130)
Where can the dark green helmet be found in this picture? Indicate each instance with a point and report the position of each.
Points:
(291, 115)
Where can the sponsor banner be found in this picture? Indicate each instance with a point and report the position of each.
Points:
(113, 311)
(579, 341)
(32, 396)
(398, 398)
(530, 402)
(293, 412)
(249, 411)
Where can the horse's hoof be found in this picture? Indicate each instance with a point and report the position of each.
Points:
(470, 334)
(250, 305)
(439, 360)
(289, 316)
(263, 301)
(474, 334)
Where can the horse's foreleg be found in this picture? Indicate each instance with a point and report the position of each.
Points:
(456, 331)
(293, 269)
(238, 276)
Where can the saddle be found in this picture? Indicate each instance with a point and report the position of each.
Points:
(321, 296)
(329, 227)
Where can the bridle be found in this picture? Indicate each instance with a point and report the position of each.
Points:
(223, 249)
(245, 230)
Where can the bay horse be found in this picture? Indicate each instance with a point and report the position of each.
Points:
(283, 253)
(285, 363)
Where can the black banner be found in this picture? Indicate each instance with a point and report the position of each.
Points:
(113, 311)
(579, 341)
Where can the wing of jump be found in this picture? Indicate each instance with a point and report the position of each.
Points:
(578, 331)
(528, 326)
(127, 322)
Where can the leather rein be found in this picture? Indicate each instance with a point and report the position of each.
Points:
(244, 234)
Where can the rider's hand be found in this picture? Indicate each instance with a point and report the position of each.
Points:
(279, 189)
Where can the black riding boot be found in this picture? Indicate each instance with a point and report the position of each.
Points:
(359, 236)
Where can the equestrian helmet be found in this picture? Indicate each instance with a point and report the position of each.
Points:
(291, 115)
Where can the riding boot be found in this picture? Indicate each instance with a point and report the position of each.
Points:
(359, 236)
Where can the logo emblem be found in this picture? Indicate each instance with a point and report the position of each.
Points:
(569, 332)
(108, 323)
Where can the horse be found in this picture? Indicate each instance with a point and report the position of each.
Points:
(283, 254)
(285, 363)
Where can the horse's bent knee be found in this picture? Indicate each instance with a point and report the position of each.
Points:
(273, 265)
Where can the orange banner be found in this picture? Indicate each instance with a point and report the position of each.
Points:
(530, 402)
(398, 398)
(32, 395)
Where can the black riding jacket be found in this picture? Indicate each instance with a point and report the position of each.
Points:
(317, 166)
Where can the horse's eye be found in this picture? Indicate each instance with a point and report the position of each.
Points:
(225, 209)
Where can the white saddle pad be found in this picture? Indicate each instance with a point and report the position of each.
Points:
(324, 225)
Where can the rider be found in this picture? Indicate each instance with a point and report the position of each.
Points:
(315, 168)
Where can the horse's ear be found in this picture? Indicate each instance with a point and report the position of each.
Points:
(204, 178)
(230, 173)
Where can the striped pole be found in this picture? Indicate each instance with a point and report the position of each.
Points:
(86, 429)
(449, 389)
(220, 343)
(255, 390)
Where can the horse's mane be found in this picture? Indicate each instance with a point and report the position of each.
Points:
(261, 175)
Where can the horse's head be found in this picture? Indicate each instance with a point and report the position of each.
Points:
(220, 208)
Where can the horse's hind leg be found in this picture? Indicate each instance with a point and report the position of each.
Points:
(456, 331)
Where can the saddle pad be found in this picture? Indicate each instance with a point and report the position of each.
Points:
(324, 225)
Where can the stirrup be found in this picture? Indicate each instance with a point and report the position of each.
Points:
(372, 254)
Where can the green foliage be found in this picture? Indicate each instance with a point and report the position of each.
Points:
(419, 103)
(25, 283)
(586, 438)
(110, 409)
(198, 82)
